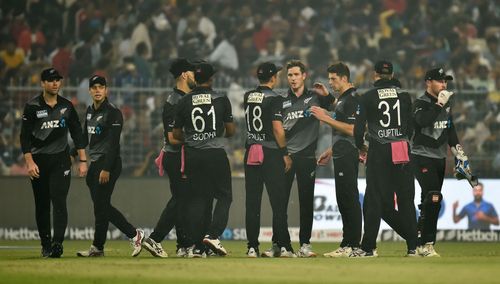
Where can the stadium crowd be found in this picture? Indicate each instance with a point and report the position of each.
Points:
(132, 42)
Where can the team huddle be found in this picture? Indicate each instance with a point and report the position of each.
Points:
(396, 139)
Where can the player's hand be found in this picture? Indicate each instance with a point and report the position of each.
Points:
(325, 157)
(33, 170)
(320, 89)
(363, 154)
(455, 205)
(103, 177)
(320, 113)
(288, 162)
(443, 97)
(82, 169)
(480, 216)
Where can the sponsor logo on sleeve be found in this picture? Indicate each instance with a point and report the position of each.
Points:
(42, 113)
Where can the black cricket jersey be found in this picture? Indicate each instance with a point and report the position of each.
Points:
(434, 128)
(387, 109)
(44, 129)
(345, 111)
(262, 106)
(301, 129)
(103, 127)
(202, 115)
(168, 115)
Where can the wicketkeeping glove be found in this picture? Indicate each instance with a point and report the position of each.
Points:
(443, 97)
(462, 168)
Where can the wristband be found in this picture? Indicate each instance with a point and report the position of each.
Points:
(284, 151)
(83, 161)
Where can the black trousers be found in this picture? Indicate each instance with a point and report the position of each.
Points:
(430, 175)
(51, 187)
(346, 191)
(272, 174)
(389, 195)
(104, 212)
(305, 170)
(174, 213)
(209, 177)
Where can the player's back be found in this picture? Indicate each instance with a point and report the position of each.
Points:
(262, 106)
(203, 113)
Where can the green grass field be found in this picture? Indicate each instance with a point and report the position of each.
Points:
(460, 263)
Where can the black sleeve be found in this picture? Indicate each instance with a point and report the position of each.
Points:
(360, 122)
(85, 129)
(409, 117)
(179, 119)
(277, 108)
(425, 113)
(26, 129)
(350, 109)
(168, 116)
(228, 114)
(75, 129)
(326, 101)
(452, 133)
(115, 124)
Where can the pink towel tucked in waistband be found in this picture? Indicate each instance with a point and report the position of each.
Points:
(159, 163)
(255, 155)
(400, 152)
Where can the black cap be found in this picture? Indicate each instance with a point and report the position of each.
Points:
(50, 74)
(437, 74)
(179, 66)
(96, 79)
(266, 70)
(203, 72)
(383, 67)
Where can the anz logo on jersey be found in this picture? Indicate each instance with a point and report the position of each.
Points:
(294, 115)
(94, 129)
(61, 123)
(442, 124)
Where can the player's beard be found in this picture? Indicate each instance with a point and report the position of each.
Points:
(191, 83)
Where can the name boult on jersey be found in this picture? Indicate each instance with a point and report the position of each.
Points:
(256, 98)
(202, 99)
(387, 94)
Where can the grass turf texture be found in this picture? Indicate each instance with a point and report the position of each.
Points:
(460, 263)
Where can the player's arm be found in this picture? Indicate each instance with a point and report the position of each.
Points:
(27, 125)
(323, 115)
(229, 126)
(360, 124)
(279, 131)
(425, 113)
(489, 217)
(168, 123)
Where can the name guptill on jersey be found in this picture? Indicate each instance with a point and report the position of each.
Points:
(255, 98)
(202, 99)
(387, 94)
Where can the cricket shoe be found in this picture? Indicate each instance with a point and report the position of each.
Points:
(340, 252)
(359, 253)
(137, 242)
(412, 253)
(154, 248)
(182, 252)
(284, 253)
(56, 250)
(215, 245)
(252, 252)
(92, 252)
(46, 251)
(306, 251)
(427, 250)
(274, 251)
